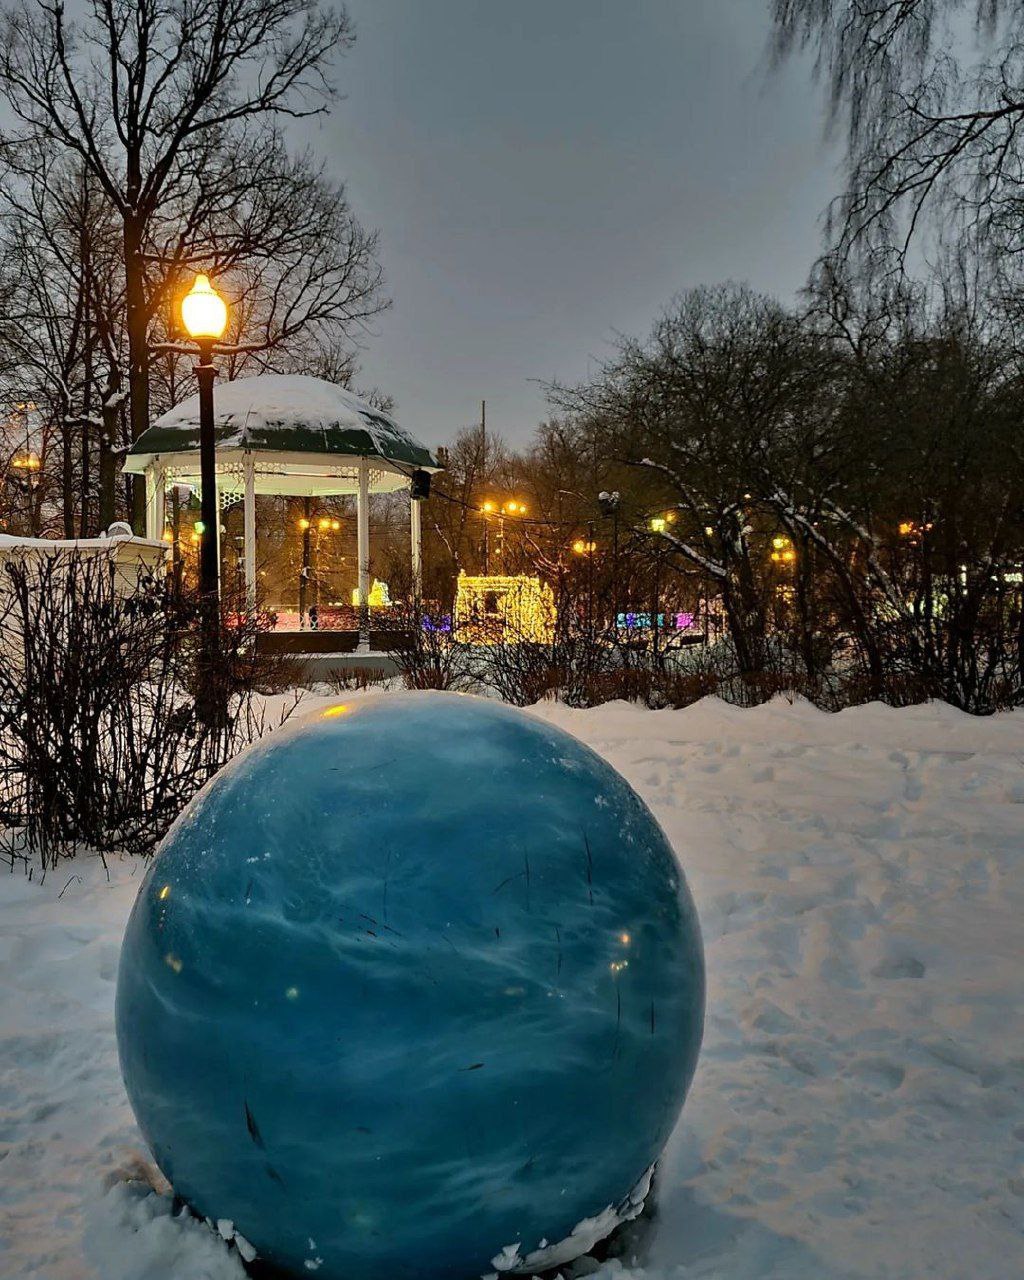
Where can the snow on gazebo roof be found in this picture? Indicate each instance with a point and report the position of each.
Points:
(284, 414)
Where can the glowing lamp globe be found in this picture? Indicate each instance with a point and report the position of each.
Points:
(413, 989)
(203, 311)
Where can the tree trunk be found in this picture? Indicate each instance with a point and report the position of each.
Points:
(137, 327)
(67, 477)
(735, 618)
(108, 463)
(85, 475)
(85, 480)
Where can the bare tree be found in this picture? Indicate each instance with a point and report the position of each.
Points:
(173, 108)
(59, 272)
(694, 407)
(931, 95)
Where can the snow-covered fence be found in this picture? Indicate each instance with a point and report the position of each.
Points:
(128, 555)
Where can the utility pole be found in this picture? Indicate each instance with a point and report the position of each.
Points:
(483, 469)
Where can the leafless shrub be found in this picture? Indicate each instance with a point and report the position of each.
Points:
(358, 679)
(429, 651)
(100, 741)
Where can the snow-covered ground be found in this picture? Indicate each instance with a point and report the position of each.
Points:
(859, 1106)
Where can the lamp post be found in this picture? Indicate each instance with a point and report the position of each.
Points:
(305, 524)
(510, 508)
(587, 547)
(485, 509)
(609, 504)
(205, 315)
(658, 526)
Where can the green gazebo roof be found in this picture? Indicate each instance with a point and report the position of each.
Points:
(283, 413)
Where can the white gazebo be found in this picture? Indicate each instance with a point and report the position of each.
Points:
(287, 434)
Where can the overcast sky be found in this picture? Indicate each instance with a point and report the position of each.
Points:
(544, 173)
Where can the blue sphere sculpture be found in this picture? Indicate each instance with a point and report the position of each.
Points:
(413, 989)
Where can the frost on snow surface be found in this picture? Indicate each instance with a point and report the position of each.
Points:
(858, 1110)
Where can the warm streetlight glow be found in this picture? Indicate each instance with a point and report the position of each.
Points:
(778, 542)
(203, 311)
(323, 523)
(515, 508)
(335, 525)
(487, 507)
(657, 524)
(584, 548)
(906, 528)
(168, 535)
(26, 462)
(303, 523)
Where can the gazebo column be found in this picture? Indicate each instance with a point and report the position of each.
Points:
(249, 530)
(416, 539)
(363, 552)
(155, 501)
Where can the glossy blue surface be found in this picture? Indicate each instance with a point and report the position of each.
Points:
(406, 984)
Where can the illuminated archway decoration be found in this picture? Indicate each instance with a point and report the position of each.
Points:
(493, 609)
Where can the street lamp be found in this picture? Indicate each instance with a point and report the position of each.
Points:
(510, 508)
(609, 504)
(205, 315)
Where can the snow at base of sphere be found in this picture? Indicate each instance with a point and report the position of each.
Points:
(135, 1232)
(583, 1237)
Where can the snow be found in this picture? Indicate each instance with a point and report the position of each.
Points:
(858, 1111)
(583, 1237)
(250, 408)
(119, 535)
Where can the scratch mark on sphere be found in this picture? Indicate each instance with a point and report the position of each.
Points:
(253, 1127)
(590, 869)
